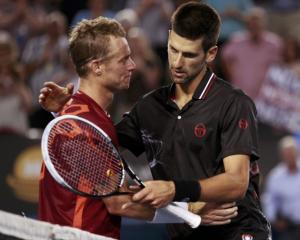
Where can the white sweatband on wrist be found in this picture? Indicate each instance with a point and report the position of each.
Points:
(163, 216)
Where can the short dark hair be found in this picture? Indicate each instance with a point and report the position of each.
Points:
(195, 20)
(90, 39)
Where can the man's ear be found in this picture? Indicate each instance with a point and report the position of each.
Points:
(211, 54)
(97, 67)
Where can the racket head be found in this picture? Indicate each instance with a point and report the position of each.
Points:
(80, 156)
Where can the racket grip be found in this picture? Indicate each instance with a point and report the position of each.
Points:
(193, 220)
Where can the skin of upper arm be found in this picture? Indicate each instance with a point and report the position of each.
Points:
(238, 166)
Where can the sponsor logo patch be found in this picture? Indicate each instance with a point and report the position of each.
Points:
(243, 124)
(200, 130)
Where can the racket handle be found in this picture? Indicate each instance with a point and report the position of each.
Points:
(193, 220)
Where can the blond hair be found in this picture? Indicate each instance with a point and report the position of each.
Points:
(90, 39)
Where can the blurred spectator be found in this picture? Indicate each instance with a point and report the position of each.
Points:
(23, 18)
(67, 73)
(70, 8)
(232, 15)
(147, 62)
(291, 54)
(281, 200)
(44, 58)
(284, 17)
(248, 55)
(154, 17)
(281, 90)
(117, 5)
(15, 98)
(179, 2)
(128, 18)
(95, 8)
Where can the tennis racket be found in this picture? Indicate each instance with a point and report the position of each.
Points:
(81, 157)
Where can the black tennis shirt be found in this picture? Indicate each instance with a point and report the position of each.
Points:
(190, 143)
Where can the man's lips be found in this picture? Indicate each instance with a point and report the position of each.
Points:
(179, 74)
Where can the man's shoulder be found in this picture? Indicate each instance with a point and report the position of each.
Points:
(228, 89)
(230, 93)
(273, 39)
(77, 105)
(156, 94)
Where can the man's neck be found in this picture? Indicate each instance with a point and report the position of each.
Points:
(184, 92)
(256, 37)
(102, 96)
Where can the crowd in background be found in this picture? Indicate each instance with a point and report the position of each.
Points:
(255, 36)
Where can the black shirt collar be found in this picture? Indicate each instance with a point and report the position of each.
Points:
(205, 85)
(202, 89)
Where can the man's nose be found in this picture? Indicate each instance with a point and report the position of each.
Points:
(178, 61)
(132, 65)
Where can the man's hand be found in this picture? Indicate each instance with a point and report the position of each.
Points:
(156, 193)
(53, 97)
(214, 213)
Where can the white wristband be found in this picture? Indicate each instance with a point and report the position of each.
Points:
(163, 216)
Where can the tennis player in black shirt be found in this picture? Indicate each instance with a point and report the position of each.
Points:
(199, 134)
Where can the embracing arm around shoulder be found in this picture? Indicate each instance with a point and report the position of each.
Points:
(53, 97)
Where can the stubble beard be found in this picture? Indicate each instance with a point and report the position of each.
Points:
(185, 80)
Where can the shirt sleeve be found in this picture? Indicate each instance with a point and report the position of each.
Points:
(239, 127)
(129, 133)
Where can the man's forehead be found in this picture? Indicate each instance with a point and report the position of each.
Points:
(119, 46)
(184, 44)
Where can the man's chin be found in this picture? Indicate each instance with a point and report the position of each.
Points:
(179, 80)
(121, 88)
(125, 87)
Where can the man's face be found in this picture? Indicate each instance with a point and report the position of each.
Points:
(187, 58)
(117, 69)
(255, 21)
(289, 156)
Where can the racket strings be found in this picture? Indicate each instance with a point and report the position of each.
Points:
(85, 158)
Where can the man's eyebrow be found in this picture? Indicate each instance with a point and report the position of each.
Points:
(171, 46)
(125, 56)
(188, 54)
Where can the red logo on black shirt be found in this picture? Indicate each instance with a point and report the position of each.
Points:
(243, 124)
(200, 130)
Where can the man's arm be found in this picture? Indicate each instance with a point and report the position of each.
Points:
(211, 213)
(53, 97)
(214, 213)
(225, 187)
(230, 185)
(115, 205)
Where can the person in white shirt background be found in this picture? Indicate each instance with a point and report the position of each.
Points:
(281, 199)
